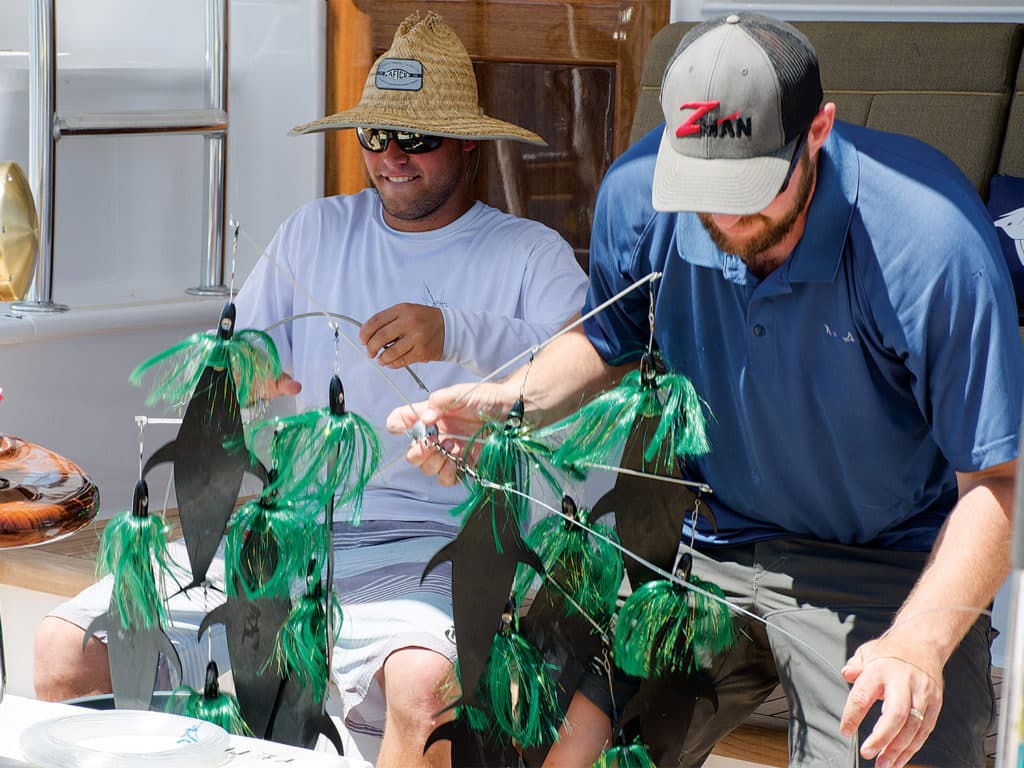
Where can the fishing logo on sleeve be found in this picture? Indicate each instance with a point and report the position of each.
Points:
(399, 75)
(1012, 223)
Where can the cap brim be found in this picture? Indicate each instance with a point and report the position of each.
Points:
(454, 126)
(720, 185)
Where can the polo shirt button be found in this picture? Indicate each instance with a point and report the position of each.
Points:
(759, 330)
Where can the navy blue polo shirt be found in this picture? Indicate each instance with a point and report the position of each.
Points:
(845, 389)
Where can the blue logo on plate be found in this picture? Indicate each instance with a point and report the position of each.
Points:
(399, 75)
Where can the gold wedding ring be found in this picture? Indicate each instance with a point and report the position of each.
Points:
(915, 712)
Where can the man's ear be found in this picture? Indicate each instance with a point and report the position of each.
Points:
(820, 128)
(468, 145)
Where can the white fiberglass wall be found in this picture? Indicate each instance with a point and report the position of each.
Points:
(129, 219)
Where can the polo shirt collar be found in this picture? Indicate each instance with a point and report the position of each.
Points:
(817, 256)
(819, 252)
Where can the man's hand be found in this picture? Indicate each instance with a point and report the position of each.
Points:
(457, 412)
(404, 334)
(284, 385)
(908, 680)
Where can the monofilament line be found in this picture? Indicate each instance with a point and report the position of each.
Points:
(575, 324)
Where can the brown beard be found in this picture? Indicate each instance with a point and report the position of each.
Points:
(773, 231)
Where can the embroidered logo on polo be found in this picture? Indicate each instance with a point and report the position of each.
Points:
(849, 338)
(399, 75)
(700, 123)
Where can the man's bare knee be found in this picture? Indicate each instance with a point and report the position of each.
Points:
(63, 669)
(418, 683)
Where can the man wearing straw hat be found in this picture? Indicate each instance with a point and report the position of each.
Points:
(838, 297)
(437, 277)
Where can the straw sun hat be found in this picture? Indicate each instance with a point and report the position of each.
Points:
(423, 83)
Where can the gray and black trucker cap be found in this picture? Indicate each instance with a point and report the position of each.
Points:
(737, 95)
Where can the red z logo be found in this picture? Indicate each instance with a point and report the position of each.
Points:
(689, 125)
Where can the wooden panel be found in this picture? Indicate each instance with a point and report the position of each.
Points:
(759, 746)
(349, 57)
(42, 571)
(64, 567)
(579, 31)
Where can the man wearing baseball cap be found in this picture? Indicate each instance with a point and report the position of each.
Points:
(435, 277)
(837, 297)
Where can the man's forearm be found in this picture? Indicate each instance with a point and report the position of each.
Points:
(970, 560)
(565, 374)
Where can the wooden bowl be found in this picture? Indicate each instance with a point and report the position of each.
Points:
(43, 496)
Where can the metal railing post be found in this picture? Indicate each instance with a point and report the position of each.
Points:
(211, 268)
(42, 149)
(46, 126)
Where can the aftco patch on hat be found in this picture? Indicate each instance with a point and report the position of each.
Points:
(399, 75)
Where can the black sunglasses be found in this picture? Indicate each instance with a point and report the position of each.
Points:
(797, 152)
(377, 139)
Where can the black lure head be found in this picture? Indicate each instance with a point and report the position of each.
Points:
(140, 500)
(685, 566)
(270, 492)
(212, 688)
(314, 587)
(514, 420)
(507, 618)
(649, 370)
(570, 511)
(226, 326)
(337, 397)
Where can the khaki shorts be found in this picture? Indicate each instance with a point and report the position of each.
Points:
(832, 598)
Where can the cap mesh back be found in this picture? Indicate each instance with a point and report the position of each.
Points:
(796, 65)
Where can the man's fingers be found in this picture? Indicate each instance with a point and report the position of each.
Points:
(911, 702)
(394, 354)
(863, 694)
(894, 730)
(379, 341)
(286, 385)
(374, 324)
(853, 668)
(431, 461)
(895, 741)
(923, 732)
(401, 419)
(283, 385)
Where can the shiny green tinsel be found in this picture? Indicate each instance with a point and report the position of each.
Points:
(130, 547)
(212, 705)
(625, 756)
(322, 454)
(598, 431)
(522, 694)
(665, 627)
(518, 692)
(301, 646)
(294, 529)
(508, 453)
(584, 565)
(651, 634)
(712, 630)
(250, 355)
